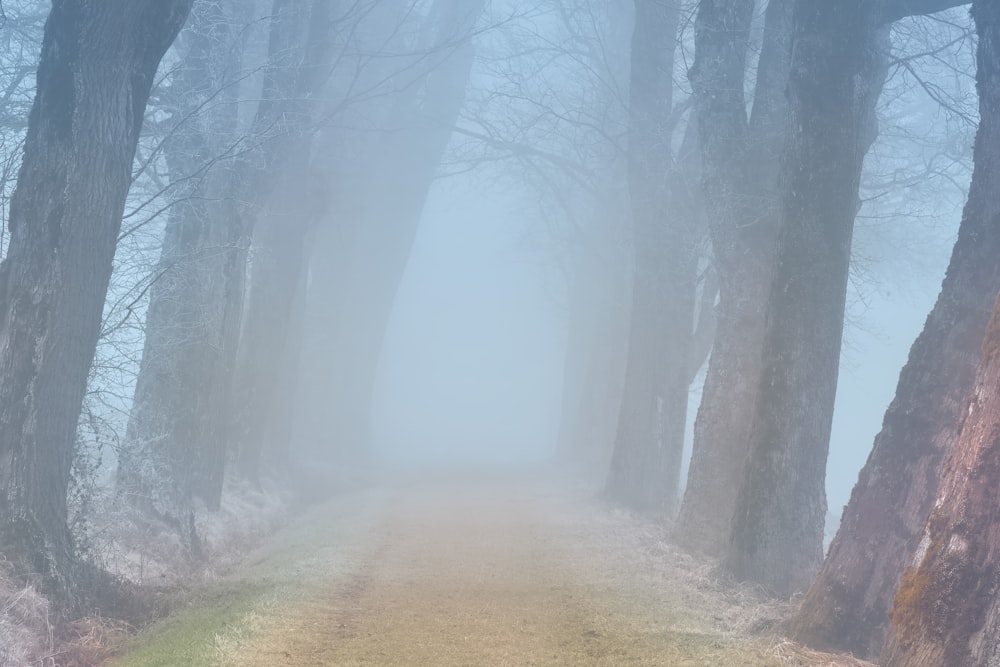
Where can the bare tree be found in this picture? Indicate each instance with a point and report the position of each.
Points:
(740, 155)
(945, 609)
(174, 447)
(358, 259)
(645, 467)
(548, 114)
(96, 70)
(847, 607)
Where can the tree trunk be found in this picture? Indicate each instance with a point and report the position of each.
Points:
(718, 461)
(97, 66)
(598, 263)
(847, 606)
(174, 448)
(838, 68)
(596, 346)
(277, 275)
(646, 463)
(947, 608)
(356, 267)
(278, 427)
(739, 166)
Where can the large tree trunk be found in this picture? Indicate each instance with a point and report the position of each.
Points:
(720, 429)
(599, 268)
(182, 420)
(357, 265)
(278, 425)
(838, 68)
(646, 463)
(97, 66)
(597, 343)
(740, 157)
(947, 608)
(276, 279)
(174, 449)
(847, 606)
(290, 211)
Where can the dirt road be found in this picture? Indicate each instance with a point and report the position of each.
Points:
(498, 570)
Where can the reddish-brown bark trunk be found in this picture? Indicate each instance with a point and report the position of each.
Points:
(847, 607)
(946, 610)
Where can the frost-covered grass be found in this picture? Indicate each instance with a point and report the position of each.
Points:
(148, 554)
(217, 619)
(25, 633)
(492, 572)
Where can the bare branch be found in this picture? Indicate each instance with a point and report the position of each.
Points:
(894, 10)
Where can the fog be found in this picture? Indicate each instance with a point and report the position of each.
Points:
(630, 297)
(472, 365)
(471, 369)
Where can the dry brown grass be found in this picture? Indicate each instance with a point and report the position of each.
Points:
(795, 655)
(25, 632)
(140, 551)
(472, 575)
(147, 552)
(90, 641)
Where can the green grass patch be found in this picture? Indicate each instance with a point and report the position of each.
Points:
(189, 634)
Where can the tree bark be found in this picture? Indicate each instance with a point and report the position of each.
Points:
(947, 609)
(890, 11)
(598, 267)
(838, 69)
(720, 432)
(287, 213)
(847, 607)
(97, 66)
(596, 344)
(357, 265)
(739, 166)
(174, 448)
(277, 276)
(645, 464)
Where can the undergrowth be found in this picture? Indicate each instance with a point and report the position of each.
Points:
(148, 558)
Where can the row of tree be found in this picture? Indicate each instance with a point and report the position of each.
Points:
(284, 157)
(781, 115)
(909, 573)
(278, 155)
